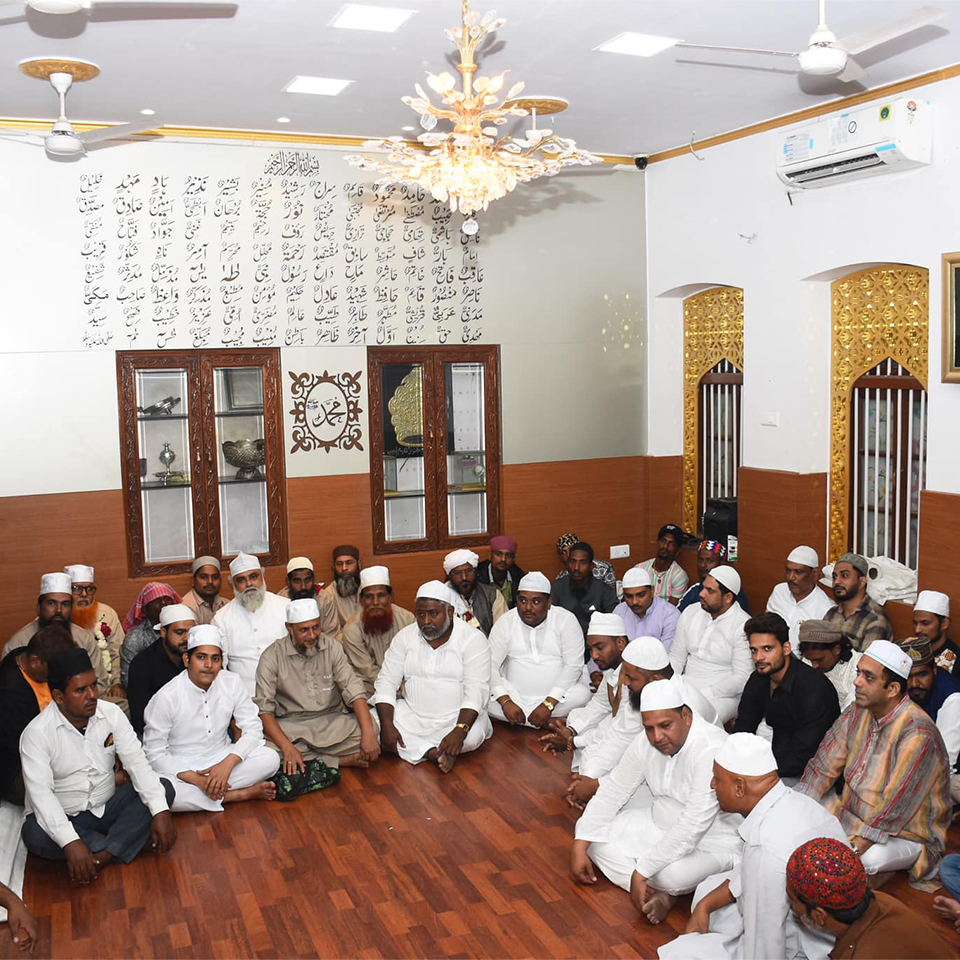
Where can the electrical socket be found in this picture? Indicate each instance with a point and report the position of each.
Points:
(620, 552)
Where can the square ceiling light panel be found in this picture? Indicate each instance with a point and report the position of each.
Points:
(318, 86)
(361, 16)
(637, 44)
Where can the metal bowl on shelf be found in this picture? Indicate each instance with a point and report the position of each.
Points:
(248, 455)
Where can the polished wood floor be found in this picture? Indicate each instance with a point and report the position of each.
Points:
(397, 861)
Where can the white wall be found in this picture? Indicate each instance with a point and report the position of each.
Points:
(696, 212)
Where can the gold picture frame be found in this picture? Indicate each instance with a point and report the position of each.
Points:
(950, 353)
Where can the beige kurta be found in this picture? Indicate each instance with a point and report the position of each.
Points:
(205, 611)
(82, 638)
(309, 698)
(109, 640)
(329, 621)
(365, 650)
(331, 603)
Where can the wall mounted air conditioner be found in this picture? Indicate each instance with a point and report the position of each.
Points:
(883, 137)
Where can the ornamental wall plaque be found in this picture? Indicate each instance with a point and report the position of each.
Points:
(326, 411)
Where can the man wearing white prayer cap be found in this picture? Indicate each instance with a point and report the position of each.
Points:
(799, 597)
(444, 667)
(301, 585)
(536, 659)
(746, 912)
(367, 635)
(251, 621)
(931, 619)
(55, 608)
(312, 703)
(204, 596)
(895, 805)
(479, 604)
(186, 733)
(100, 619)
(643, 614)
(661, 850)
(709, 648)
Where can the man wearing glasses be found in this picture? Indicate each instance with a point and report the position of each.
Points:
(99, 618)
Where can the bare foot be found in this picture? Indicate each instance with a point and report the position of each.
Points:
(101, 858)
(445, 762)
(946, 907)
(657, 905)
(265, 790)
(354, 760)
(876, 880)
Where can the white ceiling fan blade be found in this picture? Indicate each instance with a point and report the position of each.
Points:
(866, 39)
(179, 9)
(22, 136)
(851, 72)
(712, 46)
(116, 133)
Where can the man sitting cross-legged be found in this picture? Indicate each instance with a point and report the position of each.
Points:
(444, 665)
(187, 731)
(536, 652)
(666, 849)
(75, 810)
(312, 704)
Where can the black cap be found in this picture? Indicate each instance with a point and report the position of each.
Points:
(672, 530)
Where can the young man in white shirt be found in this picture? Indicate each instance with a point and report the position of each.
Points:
(75, 811)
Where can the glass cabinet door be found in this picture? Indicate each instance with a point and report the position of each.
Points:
(466, 446)
(163, 442)
(404, 498)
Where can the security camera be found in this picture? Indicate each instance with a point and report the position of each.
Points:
(641, 161)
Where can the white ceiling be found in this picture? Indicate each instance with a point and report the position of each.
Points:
(228, 71)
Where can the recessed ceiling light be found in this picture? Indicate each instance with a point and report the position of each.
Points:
(357, 16)
(408, 129)
(283, 119)
(637, 44)
(320, 86)
(147, 112)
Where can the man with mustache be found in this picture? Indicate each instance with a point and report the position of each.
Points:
(203, 598)
(799, 597)
(860, 617)
(251, 621)
(480, 605)
(99, 618)
(339, 601)
(367, 636)
(931, 619)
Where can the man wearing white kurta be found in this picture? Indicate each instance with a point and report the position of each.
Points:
(251, 621)
(799, 598)
(187, 732)
(444, 665)
(746, 913)
(666, 849)
(536, 653)
(709, 649)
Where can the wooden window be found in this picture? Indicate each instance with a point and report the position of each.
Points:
(202, 456)
(720, 433)
(435, 446)
(889, 446)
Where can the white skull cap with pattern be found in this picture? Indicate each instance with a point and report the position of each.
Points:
(933, 601)
(647, 653)
(175, 613)
(299, 563)
(243, 562)
(374, 576)
(636, 577)
(299, 611)
(56, 583)
(204, 635)
(661, 695)
(606, 625)
(746, 755)
(79, 573)
(727, 576)
(889, 655)
(806, 556)
(436, 590)
(535, 582)
(457, 558)
(204, 562)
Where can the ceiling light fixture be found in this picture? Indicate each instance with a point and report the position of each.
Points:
(471, 166)
(318, 86)
(637, 44)
(356, 16)
(147, 112)
(283, 119)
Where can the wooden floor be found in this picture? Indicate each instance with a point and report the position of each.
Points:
(397, 861)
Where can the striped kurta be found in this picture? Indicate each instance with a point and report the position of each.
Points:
(673, 582)
(896, 776)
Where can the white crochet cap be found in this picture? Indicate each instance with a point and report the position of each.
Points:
(55, 583)
(889, 655)
(746, 754)
(204, 635)
(647, 653)
(243, 562)
(79, 573)
(933, 601)
(661, 695)
(299, 563)
(175, 613)
(806, 556)
(636, 577)
(535, 582)
(606, 625)
(300, 610)
(374, 576)
(436, 590)
(727, 576)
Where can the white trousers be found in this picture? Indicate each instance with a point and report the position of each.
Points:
(421, 734)
(895, 854)
(726, 707)
(575, 697)
(261, 764)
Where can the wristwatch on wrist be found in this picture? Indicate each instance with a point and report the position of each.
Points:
(465, 727)
(550, 706)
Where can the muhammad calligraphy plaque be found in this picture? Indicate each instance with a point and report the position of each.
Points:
(326, 411)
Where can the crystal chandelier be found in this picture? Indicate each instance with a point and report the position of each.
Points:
(471, 165)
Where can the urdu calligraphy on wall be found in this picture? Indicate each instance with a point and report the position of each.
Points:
(326, 411)
(287, 251)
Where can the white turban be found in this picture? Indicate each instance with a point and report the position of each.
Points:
(204, 635)
(300, 610)
(636, 577)
(888, 654)
(374, 576)
(436, 590)
(243, 562)
(804, 555)
(55, 583)
(457, 558)
(933, 601)
(79, 573)
(726, 576)
(661, 695)
(299, 563)
(535, 582)
(204, 562)
(747, 755)
(647, 653)
(174, 613)
(606, 625)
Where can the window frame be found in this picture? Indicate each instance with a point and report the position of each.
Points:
(432, 361)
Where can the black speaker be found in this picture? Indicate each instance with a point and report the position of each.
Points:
(720, 519)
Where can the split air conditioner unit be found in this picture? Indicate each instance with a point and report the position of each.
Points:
(883, 137)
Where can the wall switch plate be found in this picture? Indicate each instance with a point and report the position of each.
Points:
(620, 552)
(771, 419)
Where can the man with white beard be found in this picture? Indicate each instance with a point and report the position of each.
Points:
(251, 621)
(340, 600)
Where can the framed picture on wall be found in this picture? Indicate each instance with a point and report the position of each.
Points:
(951, 332)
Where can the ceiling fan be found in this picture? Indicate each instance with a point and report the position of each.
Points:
(826, 56)
(63, 142)
(183, 8)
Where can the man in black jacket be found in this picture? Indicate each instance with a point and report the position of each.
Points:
(501, 570)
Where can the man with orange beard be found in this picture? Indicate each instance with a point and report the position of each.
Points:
(367, 635)
(100, 619)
